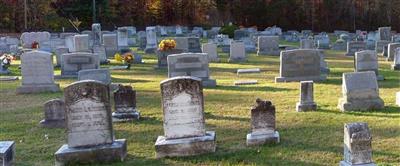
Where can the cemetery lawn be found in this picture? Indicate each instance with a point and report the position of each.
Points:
(308, 138)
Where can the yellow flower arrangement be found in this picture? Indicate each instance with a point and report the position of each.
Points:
(118, 57)
(167, 44)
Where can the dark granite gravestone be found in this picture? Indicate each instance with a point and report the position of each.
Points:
(125, 105)
(54, 114)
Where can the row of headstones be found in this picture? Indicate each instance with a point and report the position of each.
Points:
(90, 136)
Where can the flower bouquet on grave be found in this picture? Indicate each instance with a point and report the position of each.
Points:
(166, 44)
(5, 61)
(165, 48)
(35, 45)
(126, 58)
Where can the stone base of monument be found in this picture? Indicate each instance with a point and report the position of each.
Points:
(150, 50)
(8, 78)
(185, 146)
(52, 123)
(7, 153)
(225, 49)
(262, 139)
(125, 116)
(26, 89)
(237, 60)
(304, 107)
(361, 105)
(118, 67)
(344, 163)
(395, 67)
(5, 71)
(297, 79)
(245, 82)
(209, 83)
(273, 53)
(101, 153)
(325, 70)
(65, 76)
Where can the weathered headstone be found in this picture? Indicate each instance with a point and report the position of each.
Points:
(307, 44)
(367, 60)
(306, 97)
(391, 50)
(262, 124)
(194, 45)
(354, 46)
(59, 51)
(90, 136)
(101, 75)
(360, 92)
(7, 153)
(110, 43)
(142, 40)
(151, 40)
(184, 124)
(27, 38)
(37, 73)
(80, 43)
(384, 33)
(162, 57)
(268, 45)
(211, 50)
(191, 64)
(100, 51)
(122, 34)
(74, 62)
(300, 65)
(237, 52)
(97, 36)
(380, 46)
(396, 60)
(54, 114)
(125, 105)
(182, 43)
(357, 145)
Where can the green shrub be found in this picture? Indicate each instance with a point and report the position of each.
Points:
(229, 30)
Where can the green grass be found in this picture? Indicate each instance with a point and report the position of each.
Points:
(311, 138)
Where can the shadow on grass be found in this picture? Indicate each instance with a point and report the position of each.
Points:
(250, 88)
(126, 80)
(387, 112)
(229, 118)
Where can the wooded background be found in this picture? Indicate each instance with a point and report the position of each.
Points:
(316, 15)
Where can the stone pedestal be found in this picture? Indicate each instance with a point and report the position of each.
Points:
(209, 83)
(360, 105)
(306, 97)
(102, 153)
(185, 146)
(7, 153)
(25, 89)
(125, 116)
(304, 78)
(303, 107)
(343, 163)
(396, 67)
(52, 123)
(262, 139)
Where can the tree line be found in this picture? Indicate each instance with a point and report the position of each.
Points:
(316, 15)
